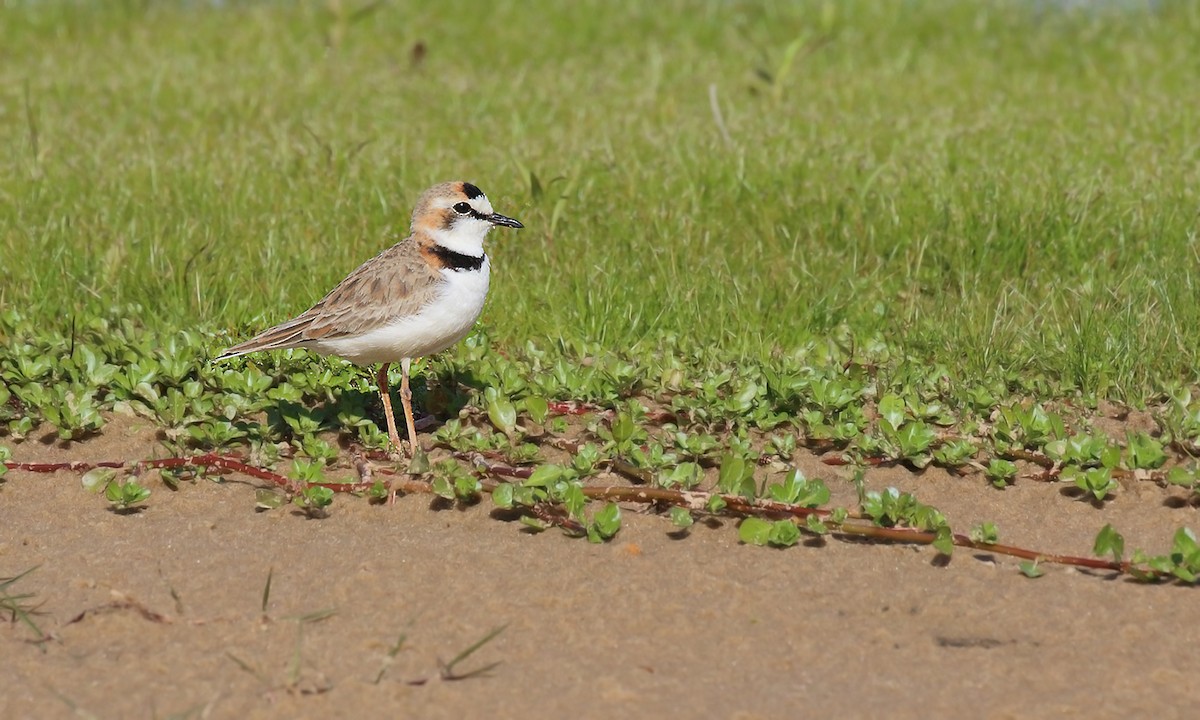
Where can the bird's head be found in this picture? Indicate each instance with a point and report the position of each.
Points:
(457, 215)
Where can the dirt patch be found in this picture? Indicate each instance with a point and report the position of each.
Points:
(159, 612)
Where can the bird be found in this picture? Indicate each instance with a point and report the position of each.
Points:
(416, 298)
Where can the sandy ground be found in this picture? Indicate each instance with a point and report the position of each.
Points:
(159, 613)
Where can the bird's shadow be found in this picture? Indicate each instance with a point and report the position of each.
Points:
(436, 398)
(443, 395)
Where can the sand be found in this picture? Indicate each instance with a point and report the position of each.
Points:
(158, 613)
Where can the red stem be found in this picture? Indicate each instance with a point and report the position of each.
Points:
(693, 500)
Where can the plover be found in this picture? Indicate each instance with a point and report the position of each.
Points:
(416, 298)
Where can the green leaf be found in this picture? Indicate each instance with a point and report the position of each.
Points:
(545, 475)
(623, 428)
(538, 409)
(915, 438)
(501, 412)
(789, 489)
(814, 525)
(686, 475)
(1181, 476)
(1109, 542)
(754, 531)
(944, 541)
(783, 533)
(815, 494)
(891, 413)
(574, 500)
(681, 517)
(1030, 569)
(318, 496)
(533, 523)
(954, 453)
(715, 503)
(1144, 451)
(1184, 543)
(736, 476)
(1110, 456)
(1185, 574)
(796, 490)
(112, 492)
(378, 490)
(466, 486)
(605, 524)
(419, 463)
(97, 479)
(135, 493)
(985, 533)
(527, 495)
(733, 469)
(1001, 472)
(268, 498)
(442, 487)
(502, 495)
(1097, 481)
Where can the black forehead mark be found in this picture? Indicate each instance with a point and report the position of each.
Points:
(471, 191)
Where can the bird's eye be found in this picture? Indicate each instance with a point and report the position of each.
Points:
(462, 208)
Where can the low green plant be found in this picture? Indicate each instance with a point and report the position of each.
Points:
(314, 500)
(453, 482)
(1001, 472)
(685, 475)
(1143, 452)
(681, 517)
(985, 533)
(779, 533)
(604, 524)
(891, 508)
(1031, 569)
(1097, 482)
(795, 489)
(954, 453)
(121, 494)
(312, 497)
(904, 438)
(124, 495)
(736, 476)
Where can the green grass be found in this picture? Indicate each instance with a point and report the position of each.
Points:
(898, 233)
(1000, 190)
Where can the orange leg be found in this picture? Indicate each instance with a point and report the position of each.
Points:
(381, 378)
(406, 400)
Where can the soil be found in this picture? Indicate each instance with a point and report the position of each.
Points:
(159, 613)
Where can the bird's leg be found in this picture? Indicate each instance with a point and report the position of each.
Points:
(406, 399)
(384, 392)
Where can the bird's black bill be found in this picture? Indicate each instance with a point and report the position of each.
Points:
(498, 219)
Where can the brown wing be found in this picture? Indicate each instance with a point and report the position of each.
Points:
(395, 283)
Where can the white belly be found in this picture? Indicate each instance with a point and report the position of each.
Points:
(437, 326)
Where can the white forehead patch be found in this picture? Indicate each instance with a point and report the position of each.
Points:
(481, 204)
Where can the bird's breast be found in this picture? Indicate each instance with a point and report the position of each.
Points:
(444, 320)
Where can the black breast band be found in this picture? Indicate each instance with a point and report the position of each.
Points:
(458, 261)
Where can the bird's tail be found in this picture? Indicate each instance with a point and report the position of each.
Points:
(281, 337)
